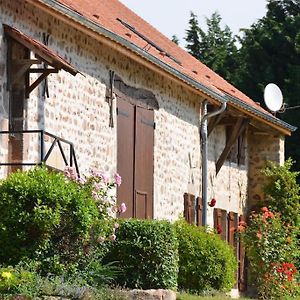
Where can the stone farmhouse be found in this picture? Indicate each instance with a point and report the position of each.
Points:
(91, 84)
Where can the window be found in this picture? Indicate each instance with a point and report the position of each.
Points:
(238, 151)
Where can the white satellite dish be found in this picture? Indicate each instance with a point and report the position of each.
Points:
(273, 97)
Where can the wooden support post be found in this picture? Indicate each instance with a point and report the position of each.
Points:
(45, 73)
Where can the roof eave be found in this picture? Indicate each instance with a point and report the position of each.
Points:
(278, 124)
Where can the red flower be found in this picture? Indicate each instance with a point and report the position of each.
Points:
(219, 229)
(264, 209)
(259, 235)
(212, 202)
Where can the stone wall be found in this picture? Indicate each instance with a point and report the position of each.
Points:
(229, 187)
(262, 147)
(77, 111)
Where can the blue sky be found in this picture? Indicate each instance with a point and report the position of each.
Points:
(171, 16)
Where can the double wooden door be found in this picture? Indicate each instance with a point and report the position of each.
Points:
(135, 138)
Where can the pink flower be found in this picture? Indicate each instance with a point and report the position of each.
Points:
(113, 237)
(81, 180)
(95, 195)
(100, 239)
(264, 209)
(122, 208)
(104, 177)
(97, 186)
(70, 172)
(67, 173)
(118, 179)
(116, 225)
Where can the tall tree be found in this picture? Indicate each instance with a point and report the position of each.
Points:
(193, 36)
(216, 48)
(270, 52)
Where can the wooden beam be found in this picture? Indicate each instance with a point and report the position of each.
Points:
(214, 122)
(27, 61)
(41, 70)
(40, 79)
(240, 126)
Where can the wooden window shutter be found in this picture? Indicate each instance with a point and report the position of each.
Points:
(242, 274)
(189, 208)
(231, 237)
(220, 222)
(232, 228)
(199, 211)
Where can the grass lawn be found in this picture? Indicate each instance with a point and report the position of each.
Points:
(194, 297)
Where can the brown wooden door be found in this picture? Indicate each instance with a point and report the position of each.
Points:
(135, 134)
(125, 155)
(143, 177)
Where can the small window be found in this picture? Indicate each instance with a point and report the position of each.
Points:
(238, 151)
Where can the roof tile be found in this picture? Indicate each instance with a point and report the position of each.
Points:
(106, 13)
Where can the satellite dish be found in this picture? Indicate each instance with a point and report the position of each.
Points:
(273, 97)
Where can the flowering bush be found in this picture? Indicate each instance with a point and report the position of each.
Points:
(282, 191)
(55, 219)
(271, 250)
(102, 189)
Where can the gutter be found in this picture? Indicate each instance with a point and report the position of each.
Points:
(77, 17)
(204, 154)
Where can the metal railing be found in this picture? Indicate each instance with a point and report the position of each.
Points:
(69, 160)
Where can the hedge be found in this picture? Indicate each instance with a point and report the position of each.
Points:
(45, 217)
(205, 261)
(147, 253)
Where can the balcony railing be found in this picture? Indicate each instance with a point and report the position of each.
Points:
(43, 155)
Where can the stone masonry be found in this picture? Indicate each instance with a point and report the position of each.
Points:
(262, 148)
(77, 111)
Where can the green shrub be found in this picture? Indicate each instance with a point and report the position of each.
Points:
(205, 261)
(282, 191)
(147, 253)
(22, 280)
(282, 196)
(44, 216)
(271, 250)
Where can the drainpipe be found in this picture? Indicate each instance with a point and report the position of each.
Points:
(203, 135)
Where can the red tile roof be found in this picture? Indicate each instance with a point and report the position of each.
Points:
(108, 13)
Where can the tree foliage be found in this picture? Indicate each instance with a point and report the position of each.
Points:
(269, 52)
(192, 36)
(216, 48)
